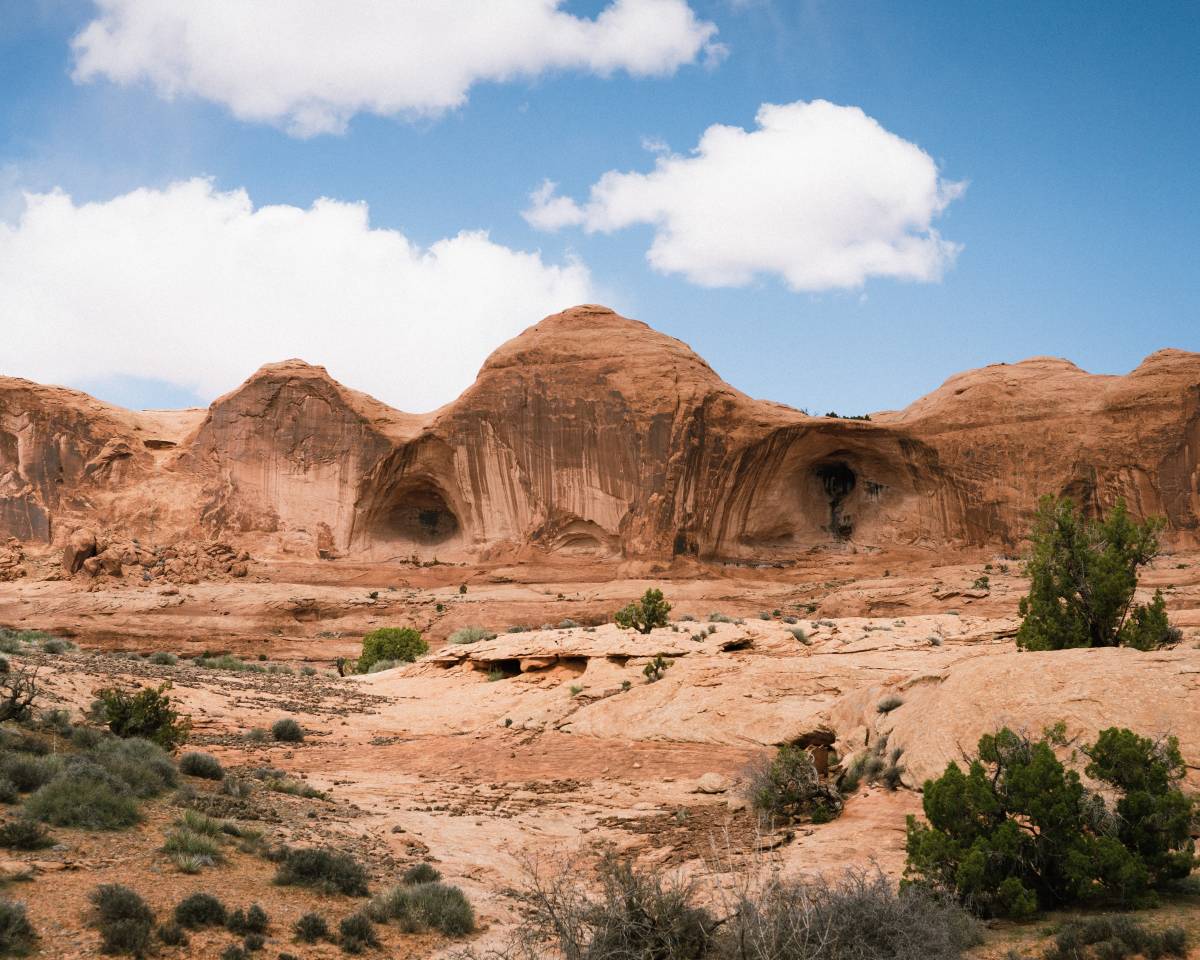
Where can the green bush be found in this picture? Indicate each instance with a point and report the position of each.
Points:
(423, 906)
(25, 834)
(124, 919)
(645, 614)
(310, 928)
(1018, 832)
(1083, 574)
(287, 730)
(327, 870)
(788, 787)
(162, 658)
(17, 936)
(202, 765)
(391, 643)
(87, 796)
(147, 714)
(200, 910)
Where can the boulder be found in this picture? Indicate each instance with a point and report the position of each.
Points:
(80, 546)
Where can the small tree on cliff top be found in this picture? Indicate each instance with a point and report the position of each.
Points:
(645, 614)
(1083, 574)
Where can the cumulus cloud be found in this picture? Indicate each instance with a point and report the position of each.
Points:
(313, 64)
(820, 195)
(197, 287)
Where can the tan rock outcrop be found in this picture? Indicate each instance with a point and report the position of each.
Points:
(592, 435)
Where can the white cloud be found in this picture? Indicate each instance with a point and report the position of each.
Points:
(199, 288)
(820, 195)
(313, 64)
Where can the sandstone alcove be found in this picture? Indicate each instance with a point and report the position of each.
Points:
(418, 514)
(837, 481)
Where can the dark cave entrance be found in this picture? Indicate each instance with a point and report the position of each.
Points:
(420, 514)
(838, 482)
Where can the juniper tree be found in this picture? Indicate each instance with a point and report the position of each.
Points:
(1083, 574)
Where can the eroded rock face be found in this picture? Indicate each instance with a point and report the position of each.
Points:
(593, 435)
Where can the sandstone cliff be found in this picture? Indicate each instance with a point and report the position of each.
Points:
(594, 435)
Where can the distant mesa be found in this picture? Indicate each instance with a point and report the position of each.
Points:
(592, 435)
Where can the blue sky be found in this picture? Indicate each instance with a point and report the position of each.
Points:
(1071, 125)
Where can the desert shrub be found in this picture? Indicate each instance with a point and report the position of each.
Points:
(294, 788)
(17, 936)
(8, 790)
(147, 714)
(86, 738)
(57, 645)
(380, 665)
(257, 735)
(191, 847)
(656, 668)
(287, 730)
(27, 773)
(253, 942)
(24, 742)
(1083, 574)
(19, 692)
(202, 765)
(717, 617)
(1018, 832)
(173, 935)
(25, 834)
(124, 919)
(800, 635)
(235, 951)
(236, 787)
(327, 870)
(1109, 937)
(252, 921)
(391, 643)
(202, 823)
(87, 796)
(421, 873)
(200, 910)
(633, 912)
(889, 703)
(470, 635)
(141, 764)
(424, 906)
(310, 928)
(857, 917)
(163, 659)
(356, 932)
(788, 787)
(227, 661)
(645, 614)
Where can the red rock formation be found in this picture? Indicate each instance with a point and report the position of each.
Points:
(593, 434)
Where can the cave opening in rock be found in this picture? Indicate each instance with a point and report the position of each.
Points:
(838, 482)
(420, 514)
